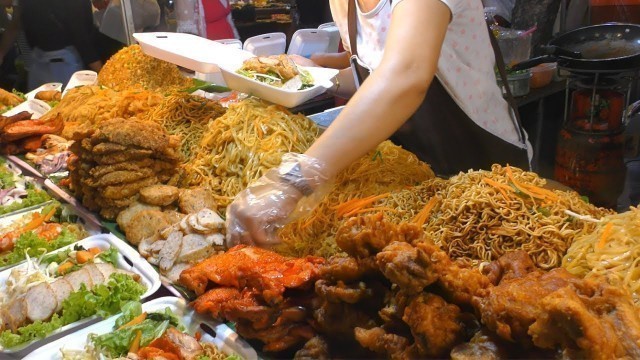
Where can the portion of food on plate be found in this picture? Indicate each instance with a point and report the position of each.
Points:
(17, 191)
(37, 233)
(49, 95)
(20, 132)
(62, 288)
(141, 335)
(277, 70)
(52, 157)
(8, 100)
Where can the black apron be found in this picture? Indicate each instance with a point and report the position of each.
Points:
(440, 133)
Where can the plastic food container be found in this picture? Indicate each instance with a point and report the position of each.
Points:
(542, 75)
(225, 339)
(128, 259)
(37, 108)
(81, 78)
(518, 83)
(45, 87)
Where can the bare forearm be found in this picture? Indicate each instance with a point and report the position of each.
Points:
(372, 116)
(347, 86)
(333, 61)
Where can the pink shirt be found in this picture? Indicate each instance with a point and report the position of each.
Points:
(466, 63)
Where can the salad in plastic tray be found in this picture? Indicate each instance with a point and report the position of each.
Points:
(159, 328)
(18, 192)
(39, 231)
(59, 291)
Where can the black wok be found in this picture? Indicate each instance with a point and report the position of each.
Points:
(611, 47)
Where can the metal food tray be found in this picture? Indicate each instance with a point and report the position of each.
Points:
(128, 259)
(88, 225)
(225, 339)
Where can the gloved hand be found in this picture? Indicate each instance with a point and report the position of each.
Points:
(281, 195)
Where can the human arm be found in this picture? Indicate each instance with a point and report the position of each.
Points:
(332, 60)
(382, 104)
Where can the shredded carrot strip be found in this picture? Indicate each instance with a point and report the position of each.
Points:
(380, 208)
(423, 215)
(135, 321)
(500, 187)
(520, 187)
(358, 204)
(135, 345)
(606, 233)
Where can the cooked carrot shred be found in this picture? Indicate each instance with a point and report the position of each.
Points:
(606, 233)
(135, 345)
(423, 215)
(135, 321)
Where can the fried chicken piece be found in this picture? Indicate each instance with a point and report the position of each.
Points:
(314, 349)
(9, 98)
(348, 269)
(341, 292)
(405, 266)
(8, 120)
(32, 143)
(483, 346)
(459, 284)
(193, 200)
(160, 195)
(279, 64)
(381, 342)
(127, 190)
(263, 270)
(510, 308)
(514, 264)
(277, 338)
(145, 224)
(365, 236)
(600, 324)
(435, 324)
(132, 132)
(337, 320)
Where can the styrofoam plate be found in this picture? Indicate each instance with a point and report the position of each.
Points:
(45, 87)
(288, 98)
(306, 42)
(81, 78)
(37, 108)
(128, 259)
(225, 339)
(189, 51)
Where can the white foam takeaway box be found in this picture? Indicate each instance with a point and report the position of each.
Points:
(306, 42)
(37, 108)
(44, 87)
(81, 78)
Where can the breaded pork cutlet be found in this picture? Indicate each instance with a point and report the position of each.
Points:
(127, 190)
(118, 178)
(144, 134)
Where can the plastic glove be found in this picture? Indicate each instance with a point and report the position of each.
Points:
(272, 201)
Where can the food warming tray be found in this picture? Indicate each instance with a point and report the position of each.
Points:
(225, 339)
(128, 259)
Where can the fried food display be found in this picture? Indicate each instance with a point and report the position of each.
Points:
(371, 178)
(117, 160)
(9, 99)
(20, 134)
(49, 95)
(240, 146)
(131, 69)
(479, 216)
(586, 318)
(265, 294)
(84, 108)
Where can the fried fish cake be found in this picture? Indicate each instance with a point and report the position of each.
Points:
(127, 190)
(145, 224)
(193, 200)
(119, 203)
(156, 165)
(118, 178)
(133, 132)
(124, 218)
(160, 195)
(122, 156)
(107, 148)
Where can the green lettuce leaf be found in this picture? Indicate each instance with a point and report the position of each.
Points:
(129, 311)
(109, 256)
(30, 243)
(6, 178)
(117, 342)
(35, 196)
(103, 300)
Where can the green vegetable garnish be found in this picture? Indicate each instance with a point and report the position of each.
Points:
(30, 243)
(103, 300)
(34, 197)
